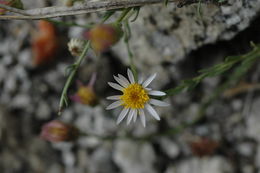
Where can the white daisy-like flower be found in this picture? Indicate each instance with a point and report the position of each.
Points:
(76, 46)
(136, 98)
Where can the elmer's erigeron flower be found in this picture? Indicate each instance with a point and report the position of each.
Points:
(136, 98)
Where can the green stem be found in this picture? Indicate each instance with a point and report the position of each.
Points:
(74, 69)
(130, 54)
(107, 15)
(123, 15)
(68, 23)
(72, 74)
(213, 71)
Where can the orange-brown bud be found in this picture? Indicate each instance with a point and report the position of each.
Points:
(44, 43)
(57, 131)
(203, 147)
(103, 36)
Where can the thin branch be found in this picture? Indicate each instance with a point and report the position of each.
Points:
(84, 8)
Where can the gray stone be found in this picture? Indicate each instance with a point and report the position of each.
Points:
(3, 71)
(25, 58)
(94, 120)
(257, 157)
(134, 157)
(7, 60)
(237, 104)
(43, 111)
(169, 147)
(204, 165)
(246, 149)
(252, 122)
(249, 168)
(10, 84)
(52, 77)
(102, 156)
(21, 101)
(89, 142)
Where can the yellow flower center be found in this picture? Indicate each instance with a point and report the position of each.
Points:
(134, 96)
(87, 96)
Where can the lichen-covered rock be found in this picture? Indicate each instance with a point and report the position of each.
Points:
(175, 32)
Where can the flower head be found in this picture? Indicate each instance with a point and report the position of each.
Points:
(203, 146)
(44, 43)
(103, 36)
(76, 46)
(85, 94)
(57, 131)
(136, 98)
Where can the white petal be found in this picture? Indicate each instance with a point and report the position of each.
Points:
(124, 79)
(114, 105)
(140, 79)
(135, 116)
(120, 81)
(142, 117)
(122, 115)
(148, 89)
(130, 115)
(130, 76)
(149, 80)
(151, 110)
(156, 93)
(115, 86)
(158, 102)
(116, 97)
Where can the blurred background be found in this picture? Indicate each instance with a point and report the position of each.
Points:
(194, 135)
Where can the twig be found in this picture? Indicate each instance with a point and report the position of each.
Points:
(63, 99)
(84, 8)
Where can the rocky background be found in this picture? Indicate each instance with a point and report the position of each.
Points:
(173, 42)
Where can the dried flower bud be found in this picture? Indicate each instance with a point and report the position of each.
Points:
(76, 46)
(203, 147)
(85, 94)
(103, 36)
(44, 43)
(57, 131)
